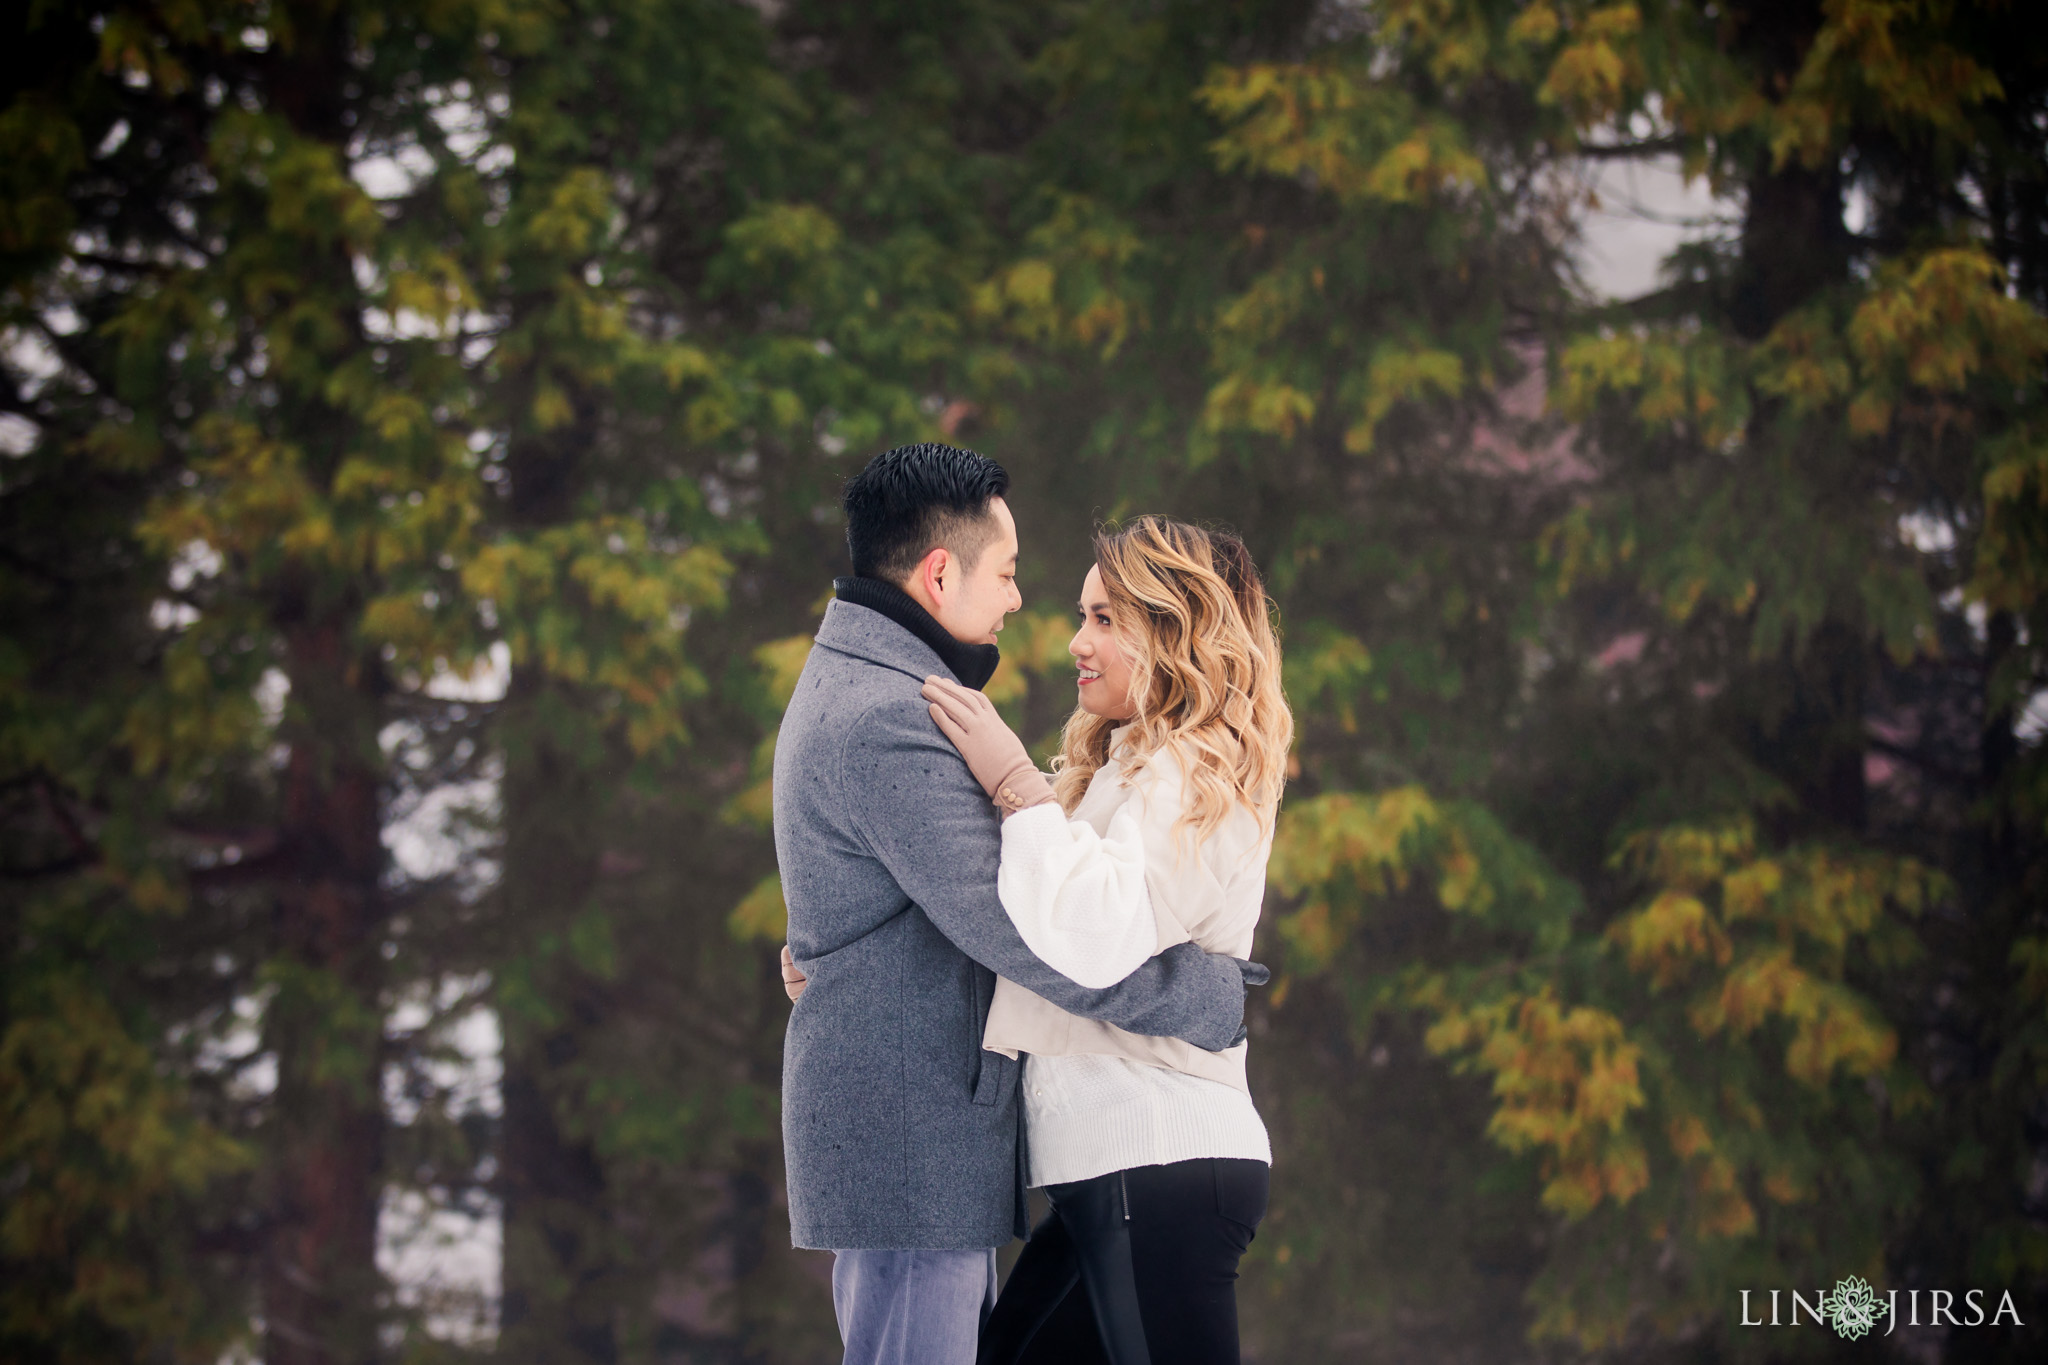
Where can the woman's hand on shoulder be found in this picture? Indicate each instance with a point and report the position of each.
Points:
(994, 754)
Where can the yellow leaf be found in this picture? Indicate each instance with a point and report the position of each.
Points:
(1670, 936)
(551, 408)
(761, 914)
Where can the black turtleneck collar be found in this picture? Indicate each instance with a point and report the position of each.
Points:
(973, 665)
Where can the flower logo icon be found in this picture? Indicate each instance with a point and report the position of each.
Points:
(1852, 1309)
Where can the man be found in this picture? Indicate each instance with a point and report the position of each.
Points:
(900, 1134)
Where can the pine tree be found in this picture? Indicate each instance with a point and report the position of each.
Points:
(288, 385)
(1760, 597)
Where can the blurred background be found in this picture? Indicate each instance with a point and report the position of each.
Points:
(423, 423)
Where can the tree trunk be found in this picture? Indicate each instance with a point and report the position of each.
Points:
(322, 1292)
(557, 1258)
(321, 1287)
(558, 1268)
(556, 1307)
(1794, 246)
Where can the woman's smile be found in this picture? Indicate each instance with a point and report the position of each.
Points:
(1099, 660)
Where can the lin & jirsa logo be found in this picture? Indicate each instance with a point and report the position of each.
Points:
(1853, 1308)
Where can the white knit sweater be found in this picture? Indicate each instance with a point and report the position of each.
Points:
(1095, 896)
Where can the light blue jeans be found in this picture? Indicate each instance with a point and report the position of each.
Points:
(912, 1307)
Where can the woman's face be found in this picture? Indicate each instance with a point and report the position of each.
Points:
(1105, 684)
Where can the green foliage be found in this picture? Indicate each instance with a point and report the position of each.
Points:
(106, 1156)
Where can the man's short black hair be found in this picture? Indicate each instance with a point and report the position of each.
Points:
(914, 498)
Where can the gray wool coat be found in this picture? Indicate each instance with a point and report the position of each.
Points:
(898, 1130)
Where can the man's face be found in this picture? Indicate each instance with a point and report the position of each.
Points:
(971, 601)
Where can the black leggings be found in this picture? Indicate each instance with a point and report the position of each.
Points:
(1132, 1267)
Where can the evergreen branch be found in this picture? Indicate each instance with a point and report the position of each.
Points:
(82, 847)
(1614, 151)
(60, 343)
(123, 264)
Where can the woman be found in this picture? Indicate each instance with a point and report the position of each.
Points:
(1156, 830)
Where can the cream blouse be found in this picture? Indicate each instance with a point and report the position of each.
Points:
(1097, 894)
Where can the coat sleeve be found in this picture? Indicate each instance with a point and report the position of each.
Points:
(1096, 906)
(925, 818)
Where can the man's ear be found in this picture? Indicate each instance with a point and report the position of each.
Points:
(933, 571)
(923, 583)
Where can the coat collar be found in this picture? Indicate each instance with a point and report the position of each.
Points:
(971, 665)
(865, 633)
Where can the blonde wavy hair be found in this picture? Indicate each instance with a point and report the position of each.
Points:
(1193, 619)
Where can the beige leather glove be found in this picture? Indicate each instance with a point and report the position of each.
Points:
(994, 755)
